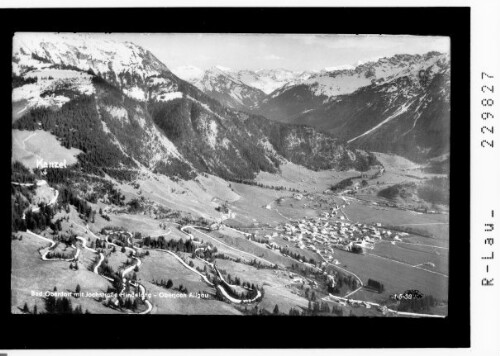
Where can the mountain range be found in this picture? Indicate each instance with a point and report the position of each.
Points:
(266, 80)
(397, 105)
(128, 113)
(242, 89)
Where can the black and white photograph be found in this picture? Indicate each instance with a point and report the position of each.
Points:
(232, 174)
(228, 179)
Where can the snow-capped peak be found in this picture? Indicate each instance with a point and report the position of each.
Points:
(268, 80)
(189, 73)
(265, 80)
(222, 68)
(84, 51)
(347, 79)
(339, 67)
(128, 66)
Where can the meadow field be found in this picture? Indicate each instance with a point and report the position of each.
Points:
(31, 274)
(396, 276)
(277, 285)
(30, 146)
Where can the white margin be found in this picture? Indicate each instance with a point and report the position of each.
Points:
(485, 169)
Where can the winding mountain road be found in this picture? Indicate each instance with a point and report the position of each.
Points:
(84, 244)
(232, 299)
(238, 301)
(203, 277)
(125, 271)
(52, 244)
(96, 268)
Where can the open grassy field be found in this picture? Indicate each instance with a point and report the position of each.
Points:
(86, 258)
(199, 196)
(295, 210)
(414, 255)
(196, 262)
(233, 249)
(251, 206)
(161, 265)
(395, 162)
(277, 286)
(31, 273)
(130, 222)
(435, 224)
(298, 177)
(185, 305)
(117, 260)
(396, 277)
(28, 146)
(240, 242)
(441, 242)
(265, 206)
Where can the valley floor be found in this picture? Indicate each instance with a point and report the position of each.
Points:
(253, 244)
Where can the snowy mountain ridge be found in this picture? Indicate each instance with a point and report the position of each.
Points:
(399, 104)
(87, 52)
(224, 86)
(127, 112)
(130, 67)
(266, 80)
(348, 79)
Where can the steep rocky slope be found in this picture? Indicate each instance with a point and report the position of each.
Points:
(398, 104)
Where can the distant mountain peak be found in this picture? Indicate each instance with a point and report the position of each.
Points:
(339, 67)
(396, 104)
(189, 72)
(225, 86)
(223, 69)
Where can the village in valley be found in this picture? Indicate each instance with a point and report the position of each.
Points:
(283, 251)
(134, 191)
(332, 231)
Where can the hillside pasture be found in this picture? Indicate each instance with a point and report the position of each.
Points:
(414, 255)
(30, 273)
(396, 277)
(298, 177)
(277, 286)
(168, 304)
(161, 265)
(30, 146)
(435, 224)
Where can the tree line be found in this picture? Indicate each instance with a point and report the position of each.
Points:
(171, 244)
(68, 196)
(417, 305)
(78, 125)
(21, 174)
(61, 305)
(379, 287)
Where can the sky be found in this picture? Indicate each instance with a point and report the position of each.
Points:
(268, 51)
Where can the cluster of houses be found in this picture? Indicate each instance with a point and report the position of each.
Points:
(328, 232)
